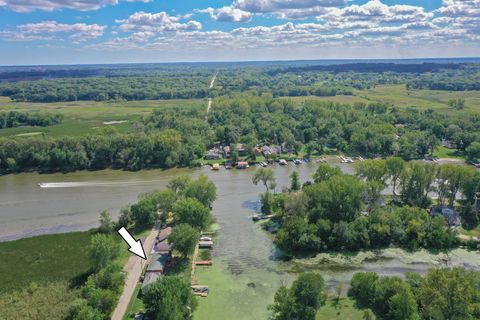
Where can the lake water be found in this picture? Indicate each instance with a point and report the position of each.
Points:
(32, 204)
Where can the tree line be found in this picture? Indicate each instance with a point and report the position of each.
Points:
(12, 119)
(108, 88)
(440, 294)
(162, 149)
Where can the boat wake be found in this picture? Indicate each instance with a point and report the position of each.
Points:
(49, 185)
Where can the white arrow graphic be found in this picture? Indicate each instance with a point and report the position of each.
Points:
(136, 246)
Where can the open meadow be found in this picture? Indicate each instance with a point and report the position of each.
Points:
(84, 117)
(399, 96)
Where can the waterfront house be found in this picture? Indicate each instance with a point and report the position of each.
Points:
(213, 154)
(242, 151)
(449, 213)
(271, 150)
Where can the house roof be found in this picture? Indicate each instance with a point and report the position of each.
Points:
(164, 233)
(158, 262)
(162, 246)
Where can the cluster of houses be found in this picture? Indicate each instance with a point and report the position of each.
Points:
(225, 152)
(161, 258)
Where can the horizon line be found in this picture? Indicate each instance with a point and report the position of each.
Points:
(239, 61)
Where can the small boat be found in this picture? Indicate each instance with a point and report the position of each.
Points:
(283, 162)
(205, 238)
(263, 164)
(258, 217)
(199, 288)
(297, 161)
(228, 165)
(205, 244)
(215, 167)
(346, 159)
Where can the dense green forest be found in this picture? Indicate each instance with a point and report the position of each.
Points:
(179, 136)
(104, 89)
(343, 212)
(180, 82)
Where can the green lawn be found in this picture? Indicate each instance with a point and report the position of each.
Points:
(442, 152)
(343, 310)
(135, 306)
(85, 117)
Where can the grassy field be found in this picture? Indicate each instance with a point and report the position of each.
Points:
(398, 95)
(43, 259)
(85, 117)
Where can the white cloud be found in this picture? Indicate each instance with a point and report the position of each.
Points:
(228, 14)
(52, 5)
(50, 30)
(258, 6)
(460, 8)
(156, 22)
(376, 11)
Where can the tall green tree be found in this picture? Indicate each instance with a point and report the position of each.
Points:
(203, 190)
(295, 181)
(102, 250)
(169, 298)
(325, 172)
(266, 176)
(192, 212)
(416, 182)
(184, 239)
(395, 167)
(106, 223)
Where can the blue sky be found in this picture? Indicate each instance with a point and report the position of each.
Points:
(113, 31)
